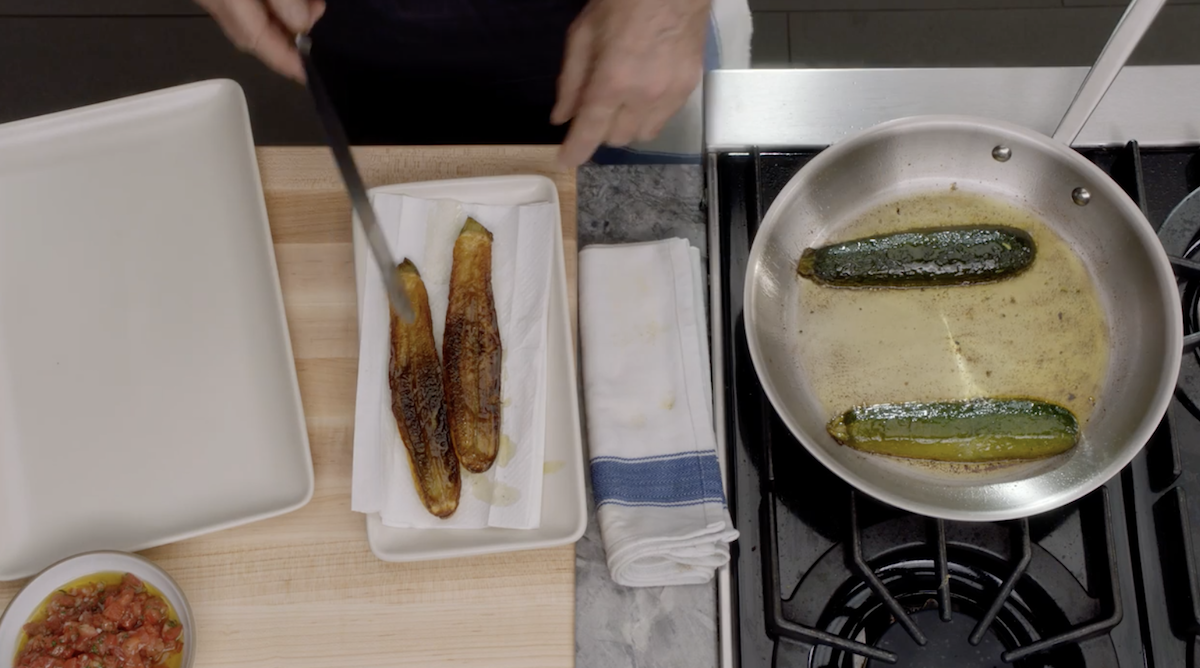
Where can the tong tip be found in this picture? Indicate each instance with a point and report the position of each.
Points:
(304, 44)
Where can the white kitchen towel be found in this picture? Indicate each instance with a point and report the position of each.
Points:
(647, 388)
(508, 495)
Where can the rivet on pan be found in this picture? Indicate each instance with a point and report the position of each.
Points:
(1081, 196)
(1002, 153)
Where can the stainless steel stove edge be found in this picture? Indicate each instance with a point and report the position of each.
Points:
(1158, 105)
(726, 612)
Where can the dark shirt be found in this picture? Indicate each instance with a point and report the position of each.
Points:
(444, 71)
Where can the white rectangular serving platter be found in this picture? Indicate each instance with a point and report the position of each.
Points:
(147, 388)
(564, 506)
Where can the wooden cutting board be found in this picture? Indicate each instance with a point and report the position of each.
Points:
(303, 589)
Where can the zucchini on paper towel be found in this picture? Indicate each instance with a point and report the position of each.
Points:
(472, 351)
(418, 401)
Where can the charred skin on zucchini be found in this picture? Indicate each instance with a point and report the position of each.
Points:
(472, 351)
(419, 401)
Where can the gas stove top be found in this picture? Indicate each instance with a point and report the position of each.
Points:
(828, 577)
(825, 576)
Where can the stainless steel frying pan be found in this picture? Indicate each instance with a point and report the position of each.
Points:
(1070, 195)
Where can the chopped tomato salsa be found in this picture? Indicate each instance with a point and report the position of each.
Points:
(102, 626)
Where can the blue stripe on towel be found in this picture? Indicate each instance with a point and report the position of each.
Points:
(684, 479)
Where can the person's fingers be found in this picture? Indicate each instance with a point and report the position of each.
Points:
(252, 29)
(577, 65)
(657, 117)
(654, 121)
(625, 126)
(670, 102)
(295, 15)
(652, 91)
(277, 49)
(317, 7)
(587, 132)
(240, 20)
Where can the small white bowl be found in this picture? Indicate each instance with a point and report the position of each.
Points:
(22, 607)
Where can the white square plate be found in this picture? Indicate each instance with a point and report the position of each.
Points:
(147, 388)
(564, 507)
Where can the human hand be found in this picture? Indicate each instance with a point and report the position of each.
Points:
(629, 66)
(266, 28)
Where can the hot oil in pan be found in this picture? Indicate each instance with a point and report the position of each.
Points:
(1041, 334)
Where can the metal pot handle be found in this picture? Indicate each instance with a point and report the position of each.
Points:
(1129, 31)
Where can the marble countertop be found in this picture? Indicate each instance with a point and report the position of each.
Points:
(615, 626)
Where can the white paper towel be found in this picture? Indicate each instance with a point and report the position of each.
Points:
(508, 495)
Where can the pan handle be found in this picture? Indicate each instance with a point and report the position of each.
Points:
(1124, 39)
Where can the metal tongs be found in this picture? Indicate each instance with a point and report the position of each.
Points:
(1134, 23)
(359, 200)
